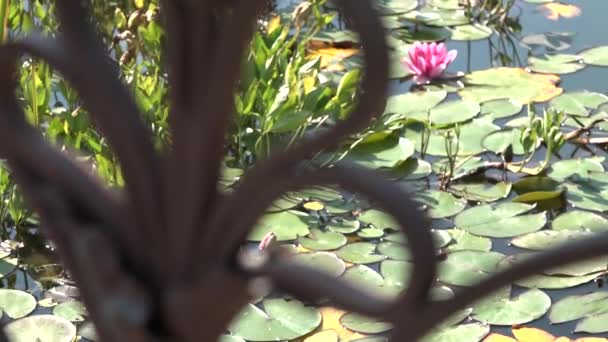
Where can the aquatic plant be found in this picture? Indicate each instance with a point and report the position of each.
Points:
(428, 61)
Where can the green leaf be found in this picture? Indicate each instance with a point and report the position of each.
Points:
(555, 64)
(542, 281)
(290, 121)
(396, 274)
(578, 103)
(437, 16)
(596, 56)
(452, 112)
(414, 104)
(363, 324)
(395, 7)
(460, 333)
(471, 32)
(464, 240)
(563, 169)
(230, 338)
(370, 233)
(344, 226)
(578, 306)
(360, 253)
(502, 220)
(501, 309)
(440, 203)
(385, 153)
(323, 261)
(499, 141)
(73, 311)
(16, 303)
(282, 319)
(364, 277)
(286, 225)
(501, 108)
(580, 220)
(463, 166)
(466, 268)
(378, 219)
(394, 250)
(547, 239)
(319, 240)
(483, 192)
(47, 328)
(422, 34)
(411, 169)
(593, 324)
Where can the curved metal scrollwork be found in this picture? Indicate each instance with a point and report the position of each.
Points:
(110, 241)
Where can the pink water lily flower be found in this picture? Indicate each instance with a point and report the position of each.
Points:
(428, 61)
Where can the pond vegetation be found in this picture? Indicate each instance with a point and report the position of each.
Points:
(496, 123)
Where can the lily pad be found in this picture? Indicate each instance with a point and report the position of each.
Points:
(547, 239)
(483, 192)
(281, 319)
(469, 142)
(593, 324)
(414, 104)
(578, 306)
(360, 253)
(463, 166)
(47, 328)
(499, 141)
(441, 237)
(88, 331)
(596, 56)
(385, 153)
(364, 277)
(494, 83)
(466, 268)
(423, 34)
(336, 36)
(542, 281)
(563, 169)
(452, 112)
(556, 64)
(501, 108)
(502, 220)
(73, 311)
(580, 220)
(378, 219)
(501, 309)
(322, 261)
(466, 332)
(286, 225)
(16, 303)
(471, 32)
(344, 226)
(394, 250)
(363, 324)
(370, 233)
(463, 240)
(319, 240)
(441, 204)
(395, 7)
(578, 103)
(411, 169)
(437, 16)
(230, 338)
(396, 274)
(580, 268)
(587, 194)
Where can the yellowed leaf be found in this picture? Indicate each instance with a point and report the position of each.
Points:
(494, 337)
(555, 10)
(562, 339)
(273, 23)
(524, 334)
(309, 84)
(314, 205)
(331, 57)
(300, 249)
(323, 336)
(591, 339)
(331, 321)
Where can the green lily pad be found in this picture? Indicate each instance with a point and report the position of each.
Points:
(483, 192)
(555, 64)
(593, 324)
(371, 339)
(471, 136)
(441, 204)
(411, 169)
(394, 250)
(284, 203)
(323, 194)
(586, 121)
(364, 277)
(340, 206)
(441, 237)
(230, 338)
(16, 303)
(395, 7)
(88, 331)
(319, 240)
(587, 194)
(578, 103)
(344, 226)
(466, 332)
(548, 282)
(423, 34)
(501, 108)
(286, 225)
(580, 268)
(558, 277)
(466, 268)
(499, 141)
(563, 169)
(378, 219)
(73, 311)
(596, 56)
(281, 319)
(578, 306)
(322, 261)
(360, 253)
(452, 112)
(437, 17)
(398, 237)
(363, 324)
(502, 220)
(463, 240)
(501, 309)
(580, 220)
(494, 83)
(471, 32)
(396, 274)
(547, 239)
(463, 166)
(336, 36)
(537, 189)
(415, 104)
(370, 233)
(445, 4)
(47, 328)
(385, 153)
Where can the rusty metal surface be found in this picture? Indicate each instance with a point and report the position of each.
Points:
(135, 293)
